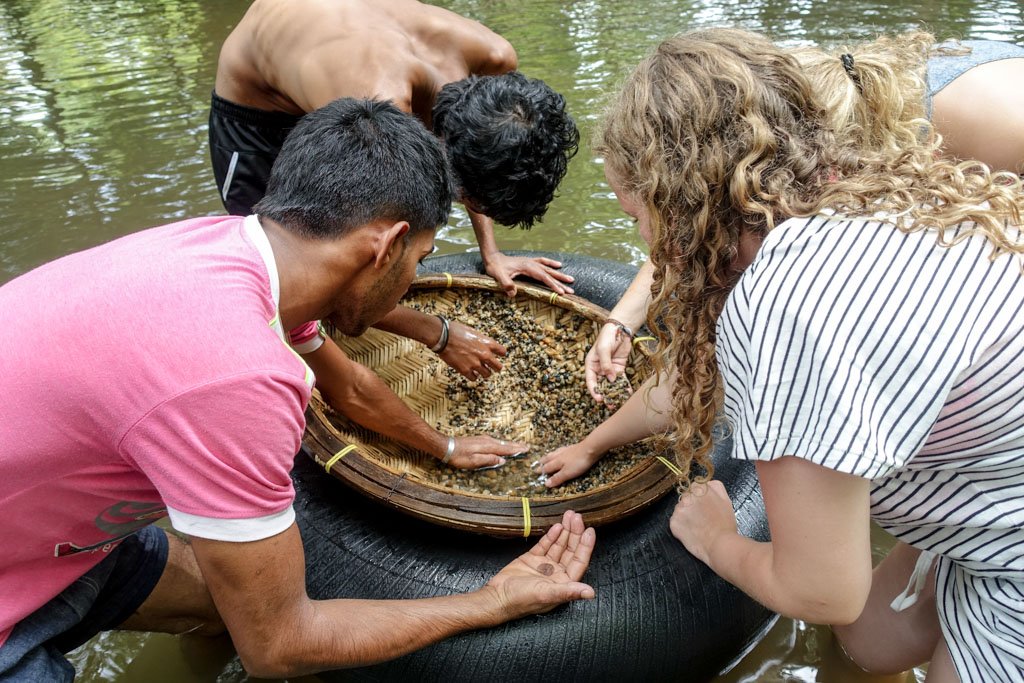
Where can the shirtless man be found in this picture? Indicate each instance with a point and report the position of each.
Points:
(508, 137)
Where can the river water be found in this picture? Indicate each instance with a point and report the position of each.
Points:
(103, 110)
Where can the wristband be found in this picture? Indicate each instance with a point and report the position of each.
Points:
(622, 328)
(448, 451)
(442, 342)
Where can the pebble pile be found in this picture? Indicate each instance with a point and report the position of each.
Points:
(539, 397)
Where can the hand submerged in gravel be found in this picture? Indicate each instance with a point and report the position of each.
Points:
(565, 463)
(471, 353)
(474, 452)
(549, 574)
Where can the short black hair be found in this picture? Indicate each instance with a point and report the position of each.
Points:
(355, 161)
(509, 140)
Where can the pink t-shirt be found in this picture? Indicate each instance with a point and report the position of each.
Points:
(145, 377)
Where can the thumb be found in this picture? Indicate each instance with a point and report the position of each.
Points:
(574, 590)
(481, 460)
(504, 280)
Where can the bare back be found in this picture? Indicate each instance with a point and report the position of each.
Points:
(298, 55)
(981, 115)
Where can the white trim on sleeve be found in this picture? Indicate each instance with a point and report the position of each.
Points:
(235, 530)
(309, 346)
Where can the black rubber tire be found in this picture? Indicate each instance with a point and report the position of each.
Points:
(659, 614)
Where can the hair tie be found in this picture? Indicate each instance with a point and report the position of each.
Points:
(847, 59)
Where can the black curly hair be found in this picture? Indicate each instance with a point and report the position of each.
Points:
(509, 140)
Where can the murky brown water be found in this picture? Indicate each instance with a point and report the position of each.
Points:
(103, 109)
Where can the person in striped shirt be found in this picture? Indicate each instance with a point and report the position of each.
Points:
(875, 92)
(853, 317)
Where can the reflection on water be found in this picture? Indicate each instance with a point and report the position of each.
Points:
(103, 110)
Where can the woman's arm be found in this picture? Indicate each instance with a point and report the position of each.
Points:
(645, 413)
(817, 566)
(610, 352)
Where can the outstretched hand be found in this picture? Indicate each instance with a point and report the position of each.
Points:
(503, 268)
(548, 574)
(471, 353)
(472, 452)
(607, 358)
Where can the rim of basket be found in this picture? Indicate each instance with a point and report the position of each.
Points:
(347, 468)
(490, 514)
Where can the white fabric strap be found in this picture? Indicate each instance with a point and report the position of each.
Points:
(234, 530)
(908, 597)
(254, 231)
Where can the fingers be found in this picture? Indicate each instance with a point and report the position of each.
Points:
(558, 477)
(718, 488)
(551, 266)
(577, 564)
(548, 277)
(482, 460)
(547, 540)
(557, 549)
(505, 282)
(604, 348)
(495, 348)
(590, 375)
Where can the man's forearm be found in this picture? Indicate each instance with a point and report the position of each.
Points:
(483, 228)
(412, 324)
(350, 633)
(358, 393)
(371, 403)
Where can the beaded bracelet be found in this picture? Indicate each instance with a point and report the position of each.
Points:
(625, 329)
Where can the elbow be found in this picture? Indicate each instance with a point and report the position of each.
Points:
(835, 602)
(840, 612)
(267, 661)
(842, 607)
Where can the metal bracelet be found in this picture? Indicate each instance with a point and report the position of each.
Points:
(448, 451)
(443, 341)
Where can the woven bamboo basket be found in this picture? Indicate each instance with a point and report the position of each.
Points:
(408, 480)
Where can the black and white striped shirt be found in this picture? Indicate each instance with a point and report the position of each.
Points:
(885, 355)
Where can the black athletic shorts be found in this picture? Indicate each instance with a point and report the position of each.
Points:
(243, 145)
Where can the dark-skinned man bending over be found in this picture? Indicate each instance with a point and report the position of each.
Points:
(160, 382)
(508, 137)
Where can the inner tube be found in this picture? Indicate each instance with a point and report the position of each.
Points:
(659, 613)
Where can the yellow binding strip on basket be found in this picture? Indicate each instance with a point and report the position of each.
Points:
(553, 297)
(672, 468)
(448, 279)
(338, 456)
(526, 517)
(640, 339)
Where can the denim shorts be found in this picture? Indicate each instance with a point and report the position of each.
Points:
(100, 600)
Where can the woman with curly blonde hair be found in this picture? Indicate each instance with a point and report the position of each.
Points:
(854, 318)
(875, 94)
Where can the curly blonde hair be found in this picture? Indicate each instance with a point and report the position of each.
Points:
(878, 100)
(719, 132)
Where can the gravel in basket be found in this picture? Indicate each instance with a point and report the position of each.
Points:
(539, 397)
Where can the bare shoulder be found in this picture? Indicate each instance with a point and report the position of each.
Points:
(446, 39)
(297, 55)
(980, 118)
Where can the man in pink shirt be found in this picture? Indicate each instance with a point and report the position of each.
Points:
(152, 376)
